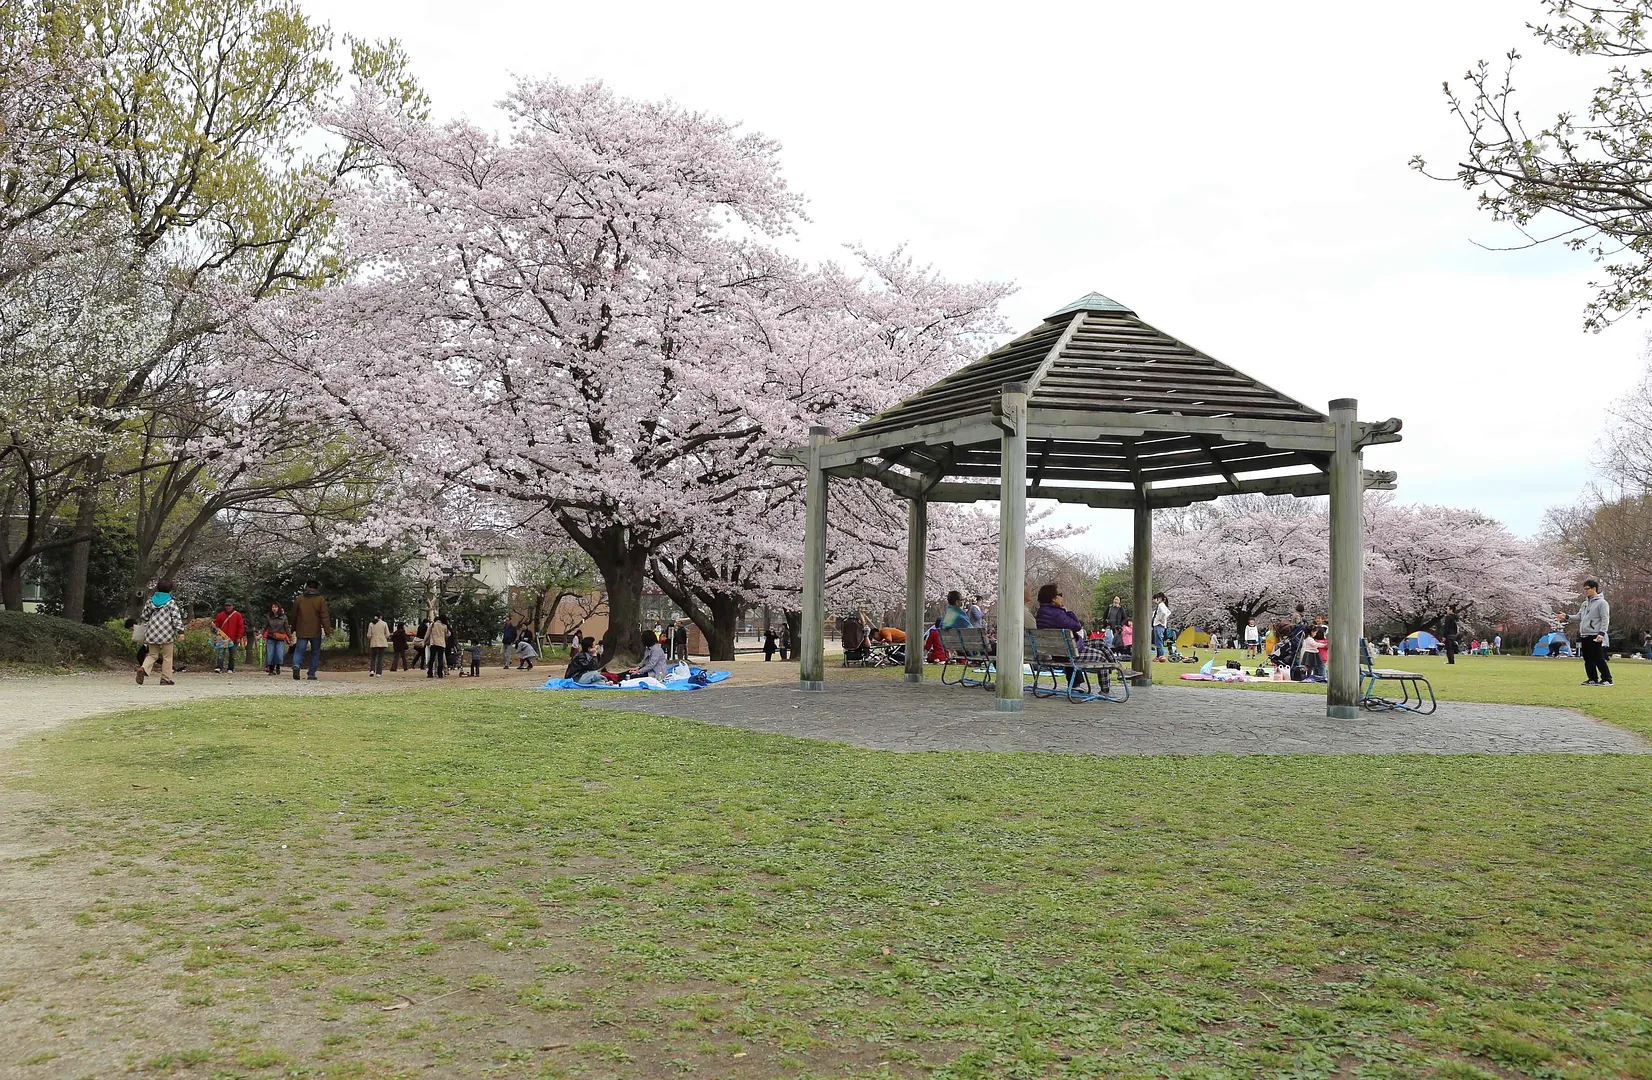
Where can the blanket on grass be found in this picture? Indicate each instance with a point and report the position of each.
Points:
(1227, 675)
(677, 678)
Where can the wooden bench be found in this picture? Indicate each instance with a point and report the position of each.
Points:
(968, 649)
(1058, 654)
(1412, 687)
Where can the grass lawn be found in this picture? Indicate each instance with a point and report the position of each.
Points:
(512, 884)
(1515, 680)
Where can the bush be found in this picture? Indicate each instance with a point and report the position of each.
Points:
(195, 648)
(27, 638)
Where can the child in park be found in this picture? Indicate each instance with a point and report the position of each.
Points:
(525, 652)
(475, 659)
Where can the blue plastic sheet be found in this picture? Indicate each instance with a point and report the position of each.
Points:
(676, 684)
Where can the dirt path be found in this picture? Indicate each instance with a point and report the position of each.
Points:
(38, 703)
(35, 704)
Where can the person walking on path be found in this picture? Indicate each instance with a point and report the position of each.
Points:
(310, 624)
(435, 640)
(1593, 623)
(378, 640)
(230, 628)
(278, 630)
(1448, 633)
(1161, 623)
(163, 624)
(398, 648)
(507, 638)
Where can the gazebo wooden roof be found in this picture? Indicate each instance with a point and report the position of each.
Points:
(1116, 407)
(1097, 407)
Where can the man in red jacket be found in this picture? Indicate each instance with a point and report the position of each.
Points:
(233, 628)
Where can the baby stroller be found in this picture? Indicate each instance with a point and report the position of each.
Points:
(1288, 652)
(857, 652)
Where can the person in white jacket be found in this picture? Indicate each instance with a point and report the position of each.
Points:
(1161, 623)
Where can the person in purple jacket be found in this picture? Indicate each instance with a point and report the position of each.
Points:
(1052, 611)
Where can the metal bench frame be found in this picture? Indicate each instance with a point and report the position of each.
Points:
(967, 648)
(1055, 653)
(1412, 687)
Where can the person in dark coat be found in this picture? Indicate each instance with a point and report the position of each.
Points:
(398, 648)
(585, 661)
(1448, 633)
(508, 639)
(770, 645)
(1114, 621)
(1052, 611)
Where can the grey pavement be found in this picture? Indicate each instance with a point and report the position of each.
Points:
(892, 715)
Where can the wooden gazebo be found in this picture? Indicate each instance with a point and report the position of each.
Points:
(1096, 407)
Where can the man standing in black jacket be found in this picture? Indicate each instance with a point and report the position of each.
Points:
(1115, 623)
(1448, 633)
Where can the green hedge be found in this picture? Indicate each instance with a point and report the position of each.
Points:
(27, 638)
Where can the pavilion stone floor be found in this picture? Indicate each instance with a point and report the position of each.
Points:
(892, 715)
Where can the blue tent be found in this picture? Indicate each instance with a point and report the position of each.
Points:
(1542, 646)
(1421, 641)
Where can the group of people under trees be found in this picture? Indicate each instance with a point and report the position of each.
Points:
(161, 623)
(296, 635)
(585, 663)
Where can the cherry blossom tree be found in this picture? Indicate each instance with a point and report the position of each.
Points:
(589, 317)
(856, 342)
(1243, 558)
(1427, 557)
(1255, 557)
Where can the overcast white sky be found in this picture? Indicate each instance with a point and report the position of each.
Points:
(1236, 173)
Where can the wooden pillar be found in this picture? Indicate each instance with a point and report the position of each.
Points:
(1012, 546)
(1141, 577)
(811, 668)
(917, 559)
(1347, 563)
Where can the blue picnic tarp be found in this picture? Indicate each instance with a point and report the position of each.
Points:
(674, 684)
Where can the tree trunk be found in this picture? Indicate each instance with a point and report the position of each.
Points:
(11, 588)
(80, 557)
(794, 628)
(725, 624)
(624, 571)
